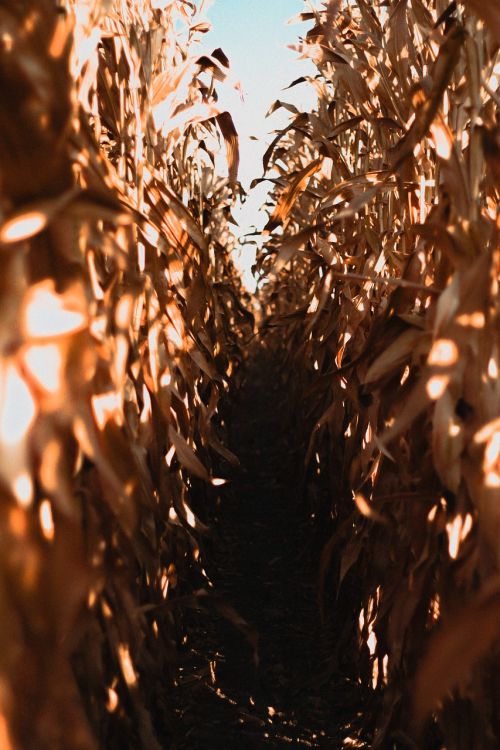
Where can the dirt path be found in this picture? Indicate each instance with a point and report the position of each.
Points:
(262, 566)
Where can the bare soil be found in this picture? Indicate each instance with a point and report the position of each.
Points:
(262, 562)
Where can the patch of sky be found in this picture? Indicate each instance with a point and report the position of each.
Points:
(255, 36)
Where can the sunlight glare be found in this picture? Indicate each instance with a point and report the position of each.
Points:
(443, 353)
(47, 313)
(491, 463)
(493, 369)
(17, 406)
(46, 520)
(113, 700)
(106, 406)
(457, 531)
(45, 364)
(436, 386)
(23, 227)
(23, 489)
(472, 320)
(126, 664)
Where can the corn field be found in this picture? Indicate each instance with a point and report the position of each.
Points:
(165, 435)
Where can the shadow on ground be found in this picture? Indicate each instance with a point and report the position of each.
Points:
(261, 561)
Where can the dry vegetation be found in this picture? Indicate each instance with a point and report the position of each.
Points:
(120, 318)
(123, 321)
(385, 255)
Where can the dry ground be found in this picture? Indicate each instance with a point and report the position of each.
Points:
(264, 565)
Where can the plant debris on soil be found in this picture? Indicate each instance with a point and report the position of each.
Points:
(261, 562)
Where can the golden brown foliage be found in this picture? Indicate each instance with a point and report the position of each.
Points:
(121, 319)
(385, 278)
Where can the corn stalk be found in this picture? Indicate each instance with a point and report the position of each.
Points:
(382, 267)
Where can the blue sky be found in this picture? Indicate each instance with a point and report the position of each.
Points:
(254, 35)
